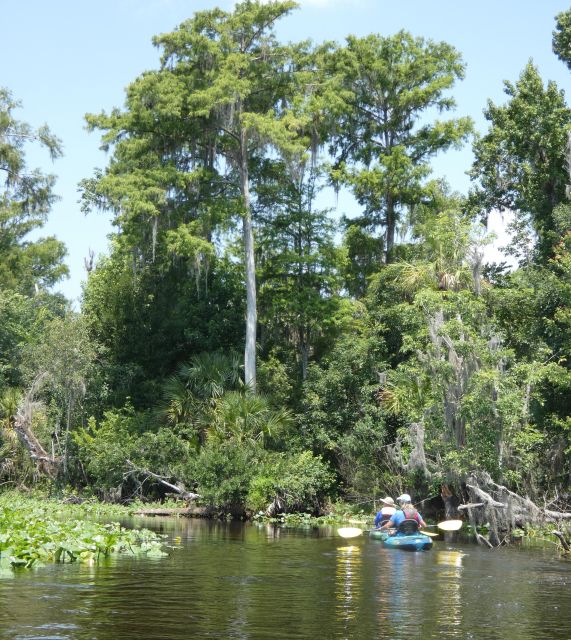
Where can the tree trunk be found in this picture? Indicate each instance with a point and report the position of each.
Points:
(450, 502)
(304, 360)
(390, 233)
(250, 269)
(417, 459)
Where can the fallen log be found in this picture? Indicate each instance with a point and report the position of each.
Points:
(486, 497)
(179, 488)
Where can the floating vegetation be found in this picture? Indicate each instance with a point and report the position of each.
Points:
(33, 533)
(306, 519)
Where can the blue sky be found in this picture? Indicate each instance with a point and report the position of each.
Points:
(65, 58)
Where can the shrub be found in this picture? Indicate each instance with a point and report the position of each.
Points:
(222, 473)
(290, 482)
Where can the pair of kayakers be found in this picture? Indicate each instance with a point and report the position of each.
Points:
(389, 517)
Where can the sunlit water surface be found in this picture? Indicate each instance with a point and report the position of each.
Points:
(246, 581)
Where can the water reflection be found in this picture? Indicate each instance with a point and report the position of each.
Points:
(348, 585)
(397, 582)
(448, 594)
(252, 582)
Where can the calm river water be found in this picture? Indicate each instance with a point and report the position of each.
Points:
(259, 582)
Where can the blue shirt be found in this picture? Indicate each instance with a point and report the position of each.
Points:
(381, 517)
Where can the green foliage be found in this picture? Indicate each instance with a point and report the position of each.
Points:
(190, 395)
(241, 417)
(365, 253)
(521, 162)
(294, 482)
(222, 473)
(26, 197)
(110, 450)
(277, 380)
(152, 320)
(299, 264)
(103, 449)
(17, 326)
(233, 479)
(562, 37)
(384, 134)
(340, 417)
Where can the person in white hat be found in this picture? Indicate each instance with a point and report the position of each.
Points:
(405, 512)
(386, 512)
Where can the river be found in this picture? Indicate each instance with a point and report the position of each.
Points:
(230, 580)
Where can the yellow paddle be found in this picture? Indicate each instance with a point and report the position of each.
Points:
(349, 532)
(450, 525)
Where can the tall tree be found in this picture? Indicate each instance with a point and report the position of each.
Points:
(215, 103)
(26, 197)
(383, 140)
(520, 164)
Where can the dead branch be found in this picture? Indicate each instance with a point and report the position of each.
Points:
(483, 541)
(46, 464)
(503, 510)
(470, 505)
(563, 540)
(486, 497)
(179, 489)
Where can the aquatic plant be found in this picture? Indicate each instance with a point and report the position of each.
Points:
(32, 534)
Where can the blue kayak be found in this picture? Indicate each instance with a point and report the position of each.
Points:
(408, 542)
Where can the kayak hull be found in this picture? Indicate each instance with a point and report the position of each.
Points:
(378, 535)
(410, 542)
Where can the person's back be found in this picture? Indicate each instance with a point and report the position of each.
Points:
(386, 513)
(406, 512)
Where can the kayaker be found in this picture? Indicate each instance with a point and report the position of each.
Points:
(385, 514)
(405, 512)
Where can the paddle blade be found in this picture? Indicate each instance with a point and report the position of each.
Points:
(430, 534)
(349, 532)
(450, 525)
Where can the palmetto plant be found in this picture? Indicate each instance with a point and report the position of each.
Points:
(450, 246)
(9, 401)
(191, 394)
(244, 417)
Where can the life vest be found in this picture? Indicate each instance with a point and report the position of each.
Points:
(410, 513)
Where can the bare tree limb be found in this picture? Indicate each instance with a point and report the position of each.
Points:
(177, 488)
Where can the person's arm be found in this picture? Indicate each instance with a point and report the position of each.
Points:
(378, 519)
(388, 525)
(421, 521)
